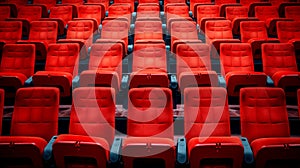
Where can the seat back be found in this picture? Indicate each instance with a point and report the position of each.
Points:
(183, 30)
(148, 30)
(253, 30)
(218, 29)
(176, 11)
(263, 113)
(148, 10)
(10, 31)
(18, 58)
(90, 12)
(115, 29)
(130, 2)
(4, 12)
(264, 13)
(81, 29)
(31, 13)
(236, 57)
(236, 12)
(1, 108)
(36, 112)
(292, 12)
(221, 2)
(207, 11)
(45, 31)
(278, 57)
(63, 58)
(287, 30)
(120, 10)
(73, 2)
(62, 12)
(166, 2)
(206, 112)
(195, 2)
(47, 3)
(150, 113)
(248, 2)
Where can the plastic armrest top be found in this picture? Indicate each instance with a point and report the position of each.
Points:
(181, 151)
(174, 82)
(75, 81)
(28, 82)
(270, 82)
(222, 82)
(124, 83)
(248, 154)
(47, 155)
(115, 151)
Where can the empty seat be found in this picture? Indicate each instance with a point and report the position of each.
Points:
(105, 3)
(147, 1)
(217, 32)
(279, 62)
(224, 4)
(168, 2)
(149, 65)
(1, 108)
(176, 12)
(147, 10)
(34, 122)
(251, 4)
(60, 69)
(105, 66)
(4, 12)
(10, 32)
(264, 121)
(42, 33)
(292, 12)
(148, 30)
(90, 12)
(193, 66)
(74, 4)
(120, 11)
(128, 2)
(149, 128)
(255, 33)
(207, 129)
(14, 5)
(89, 139)
(195, 3)
(80, 32)
(47, 3)
(238, 68)
(17, 65)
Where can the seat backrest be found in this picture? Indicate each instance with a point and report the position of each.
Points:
(45, 31)
(130, 2)
(206, 112)
(62, 12)
(93, 112)
(121, 10)
(106, 57)
(278, 57)
(63, 58)
(18, 3)
(253, 30)
(150, 113)
(18, 58)
(248, 2)
(90, 12)
(10, 31)
(47, 3)
(166, 2)
(1, 108)
(236, 57)
(149, 55)
(183, 30)
(266, 12)
(292, 12)
(192, 57)
(148, 30)
(81, 29)
(194, 2)
(148, 10)
(218, 29)
(115, 29)
(207, 11)
(31, 13)
(221, 2)
(236, 12)
(177, 10)
(36, 112)
(73, 2)
(287, 30)
(4, 12)
(263, 113)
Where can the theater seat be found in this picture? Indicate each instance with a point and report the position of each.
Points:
(74, 4)
(103, 3)
(147, 10)
(14, 5)
(149, 129)
(148, 30)
(120, 11)
(105, 66)
(34, 122)
(207, 129)
(292, 12)
(4, 12)
(91, 129)
(175, 12)
(17, 65)
(1, 108)
(238, 68)
(60, 69)
(195, 3)
(279, 62)
(264, 121)
(251, 4)
(10, 32)
(90, 12)
(127, 2)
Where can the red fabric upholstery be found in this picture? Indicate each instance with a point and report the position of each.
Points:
(175, 11)
(129, 2)
(90, 12)
(61, 66)
(238, 68)
(233, 12)
(288, 30)
(206, 11)
(171, 2)
(194, 3)
(73, 2)
(10, 32)
(193, 66)
(92, 127)
(148, 10)
(148, 30)
(120, 11)
(292, 12)
(30, 13)
(104, 2)
(105, 66)
(4, 12)
(1, 108)
(47, 3)
(61, 12)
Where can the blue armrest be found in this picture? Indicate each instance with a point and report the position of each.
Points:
(115, 151)
(191, 14)
(248, 154)
(174, 82)
(181, 156)
(133, 16)
(75, 82)
(270, 82)
(124, 83)
(130, 48)
(222, 82)
(106, 13)
(28, 82)
(47, 155)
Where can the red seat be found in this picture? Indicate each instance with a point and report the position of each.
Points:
(264, 121)
(89, 139)
(105, 66)
(224, 4)
(148, 10)
(80, 32)
(148, 30)
(60, 69)
(195, 3)
(149, 128)
(17, 65)
(174, 12)
(14, 5)
(42, 33)
(90, 12)
(279, 62)
(129, 2)
(238, 68)
(147, 1)
(193, 66)
(120, 11)
(255, 33)
(149, 65)
(47, 3)
(168, 2)
(292, 12)
(217, 32)
(74, 4)
(105, 3)
(10, 32)
(34, 122)
(4, 12)
(1, 108)
(251, 4)
(207, 129)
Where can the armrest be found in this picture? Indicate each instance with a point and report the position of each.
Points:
(191, 14)
(28, 82)
(181, 156)
(124, 82)
(222, 82)
(115, 151)
(106, 13)
(130, 48)
(133, 17)
(174, 82)
(75, 81)
(248, 154)
(270, 82)
(47, 155)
